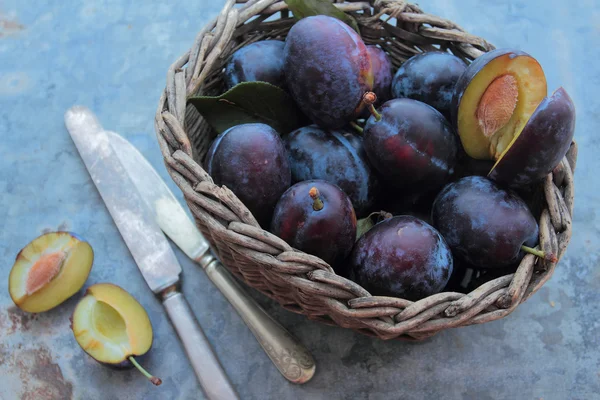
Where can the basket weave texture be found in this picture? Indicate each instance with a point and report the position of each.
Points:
(301, 282)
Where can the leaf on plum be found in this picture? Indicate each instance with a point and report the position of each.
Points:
(308, 8)
(250, 102)
(365, 224)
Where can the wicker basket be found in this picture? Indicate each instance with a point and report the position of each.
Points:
(301, 282)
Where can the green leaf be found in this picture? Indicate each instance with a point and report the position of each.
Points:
(307, 8)
(249, 102)
(365, 224)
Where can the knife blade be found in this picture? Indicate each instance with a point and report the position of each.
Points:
(147, 244)
(298, 366)
(166, 209)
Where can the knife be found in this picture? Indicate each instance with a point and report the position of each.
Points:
(147, 244)
(290, 357)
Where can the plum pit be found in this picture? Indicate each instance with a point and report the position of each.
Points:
(44, 270)
(497, 104)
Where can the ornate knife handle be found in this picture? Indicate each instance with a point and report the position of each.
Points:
(290, 357)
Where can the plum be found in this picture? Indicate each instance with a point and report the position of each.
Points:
(49, 270)
(251, 160)
(411, 145)
(258, 61)
(336, 156)
(502, 114)
(484, 225)
(112, 327)
(429, 77)
(316, 217)
(328, 69)
(541, 145)
(402, 257)
(494, 99)
(381, 67)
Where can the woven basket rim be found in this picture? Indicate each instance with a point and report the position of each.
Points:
(304, 283)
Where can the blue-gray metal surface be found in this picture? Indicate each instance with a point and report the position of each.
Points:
(112, 56)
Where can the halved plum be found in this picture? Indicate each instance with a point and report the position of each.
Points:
(494, 99)
(112, 327)
(541, 145)
(49, 270)
(501, 113)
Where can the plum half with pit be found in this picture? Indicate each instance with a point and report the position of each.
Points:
(113, 328)
(403, 257)
(429, 77)
(259, 61)
(327, 69)
(411, 145)
(251, 160)
(316, 217)
(501, 113)
(49, 270)
(494, 98)
(484, 225)
(336, 156)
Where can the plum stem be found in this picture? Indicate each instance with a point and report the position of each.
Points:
(369, 98)
(156, 381)
(374, 112)
(382, 214)
(541, 254)
(316, 196)
(357, 127)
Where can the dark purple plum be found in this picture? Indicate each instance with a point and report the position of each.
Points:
(258, 61)
(381, 66)
(327, 69)
(250, 159)
(429, 77)
(412, 146)
(484, 225)
(541, 145)
(316, 217)
(402, 257)
(337, 157)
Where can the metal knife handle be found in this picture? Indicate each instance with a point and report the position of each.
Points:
(290, 357)
(210, 374)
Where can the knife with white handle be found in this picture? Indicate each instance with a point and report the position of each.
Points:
(290, 357)
(147, 244)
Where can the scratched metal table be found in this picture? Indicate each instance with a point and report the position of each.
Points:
(113, 57)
